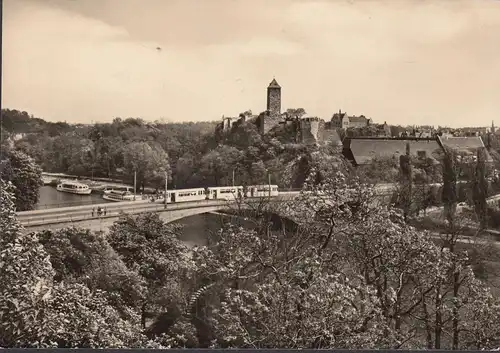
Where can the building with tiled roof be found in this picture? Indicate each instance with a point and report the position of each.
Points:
(341, 120)
(464, 145)
(364, 150)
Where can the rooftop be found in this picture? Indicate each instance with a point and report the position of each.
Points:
(365, 149)
(468, 144)
(274, 84)
(462, 143)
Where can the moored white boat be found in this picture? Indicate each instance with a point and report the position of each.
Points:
(112, 188)
(74, 187)
(118, 195)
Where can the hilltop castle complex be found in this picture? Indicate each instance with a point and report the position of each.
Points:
(310, 130)
(377, 140)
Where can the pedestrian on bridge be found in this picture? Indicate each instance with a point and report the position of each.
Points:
(93, 211)
(105, 211)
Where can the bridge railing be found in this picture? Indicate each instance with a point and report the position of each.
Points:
(83, 203)
(92, 214)
(68, 204)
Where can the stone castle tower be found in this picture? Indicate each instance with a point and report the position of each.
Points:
(274, 98)
(272, 116)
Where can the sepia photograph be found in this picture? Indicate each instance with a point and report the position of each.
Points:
(250, 175)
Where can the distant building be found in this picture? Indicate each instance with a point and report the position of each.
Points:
(363, 150)
(466, 146)
(341, 120)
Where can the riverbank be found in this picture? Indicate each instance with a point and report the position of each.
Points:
(73, 177)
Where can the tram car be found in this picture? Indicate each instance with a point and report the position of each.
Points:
(262, 191)
(228, 193)
(225, 193)
(186, 195)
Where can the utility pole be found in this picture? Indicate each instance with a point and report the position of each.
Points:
(166, 187)
(233, 177)
(135, 182)
(269, 182)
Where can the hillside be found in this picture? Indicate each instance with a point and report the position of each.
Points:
(194, 154)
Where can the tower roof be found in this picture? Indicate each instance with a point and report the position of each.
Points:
(274, 84)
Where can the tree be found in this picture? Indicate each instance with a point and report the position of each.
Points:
(419, 285)
(449, 195)
(150, 162)
(271, 288)
(187, 171)
(218, 164)
(480, 189)
(82, 256)
(262, 291)
(406, 181)
(379, 170)
(151, 248)
(25, 175)
(328, 313)
(38, 312)
(258, 173)
(460, 276)
(296, 112)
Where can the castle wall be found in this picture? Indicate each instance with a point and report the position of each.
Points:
(311, 130)
(331, 136)
(227, 123)
(267, 122)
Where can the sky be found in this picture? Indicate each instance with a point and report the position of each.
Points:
(433, 62)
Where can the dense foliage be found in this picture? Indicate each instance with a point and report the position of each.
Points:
(191, 154)
(38, 311)
(350, 274)
(25, 175)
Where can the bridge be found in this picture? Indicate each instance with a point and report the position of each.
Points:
(84, 217)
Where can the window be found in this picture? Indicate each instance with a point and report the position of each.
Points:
(187, 193)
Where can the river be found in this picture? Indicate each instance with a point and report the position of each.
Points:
(51, 198)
